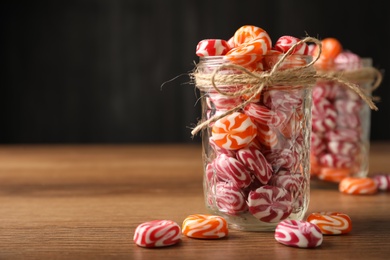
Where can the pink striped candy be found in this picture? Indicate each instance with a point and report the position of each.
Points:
(212, 47)
(325, 89)
(255, 161)
(382, 181)
(229, 199)
(282, 99)
(343, 134)
(223, 102)
(157, 233)
(284, 43)
(336, 160)
(282, 158)
(267, 136)
(348, 60)
(323, 115)
(270, 203)
(298, 233)
(263, 115)
(229, 168)
(343, 148)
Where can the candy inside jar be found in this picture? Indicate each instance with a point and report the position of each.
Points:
(256, 148)
(340, 117)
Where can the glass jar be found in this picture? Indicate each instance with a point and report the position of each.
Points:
(341, 121)
(255, 146)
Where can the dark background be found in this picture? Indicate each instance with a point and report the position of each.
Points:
(92, 71)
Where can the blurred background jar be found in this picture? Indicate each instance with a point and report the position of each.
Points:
(341, 118)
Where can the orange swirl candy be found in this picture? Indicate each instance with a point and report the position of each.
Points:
(331, 223)
(331, 47)
(248, 33)
(205, 226)
(234, 131)
(358, 186)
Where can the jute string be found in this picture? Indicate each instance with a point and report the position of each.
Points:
(297, 77)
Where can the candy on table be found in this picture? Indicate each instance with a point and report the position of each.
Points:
(229, 199)
(205, 226)
(358, 186)
(332, 174)
(382, 180)
(298, 233)
(212, 47)
(284, 43)
(157, 233)
(255, 161)
(270, 203)
(232, 170)
(331, 223)
(234, 131)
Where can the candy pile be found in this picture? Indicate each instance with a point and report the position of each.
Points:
(256, 161)
(340, 119)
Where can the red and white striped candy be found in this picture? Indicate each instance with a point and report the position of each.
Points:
(234, 131)
(263, 115)
(323, 115)
(229, 199)
(331, 223)
(255, 161)
(270, 203)
(284, 43)
(291, 183)
(336, 160)
(232, 169)
(317, 143)
(267, 136)
(212, 47)
(343, 148)
(382, 181)
(343, 134)
(348, 120)
(348, 106)
(325, 89)
(298, 233)
(348, 60)
(282, 99)
(223, 102)
(218, 150)
(157, 233)
(292, 125)
(282, 158)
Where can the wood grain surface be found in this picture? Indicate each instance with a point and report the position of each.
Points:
(85, 201)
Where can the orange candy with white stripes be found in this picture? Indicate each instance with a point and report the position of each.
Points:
(234, 131)
(358, 186)
(205, 226)
(331, 223)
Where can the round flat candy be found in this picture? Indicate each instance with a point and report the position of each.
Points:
(212, 47)
(157, 233)
(234, 131)
(382, 180)
(284, 43)
(298, 233)
(248, 33)
(205, 226)
(331, 223)
(358, 186)
(229, 199)
(270, 203)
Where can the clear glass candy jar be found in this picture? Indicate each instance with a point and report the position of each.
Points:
(256, 146)
(341, 122)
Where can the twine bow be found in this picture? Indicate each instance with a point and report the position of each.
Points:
(297, 76)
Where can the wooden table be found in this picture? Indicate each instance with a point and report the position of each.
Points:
(85, 201)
